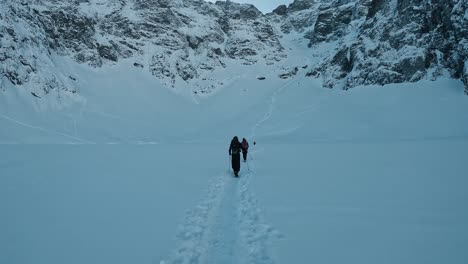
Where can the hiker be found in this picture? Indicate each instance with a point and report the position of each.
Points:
(245, 148)
(234, 151)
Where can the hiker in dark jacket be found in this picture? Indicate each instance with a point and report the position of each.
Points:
(245, 148)
(234, 151)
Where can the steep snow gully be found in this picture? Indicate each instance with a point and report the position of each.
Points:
(227, 226)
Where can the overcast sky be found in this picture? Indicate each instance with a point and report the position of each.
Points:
(265, 6)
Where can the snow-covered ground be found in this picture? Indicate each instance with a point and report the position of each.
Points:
(132, 172)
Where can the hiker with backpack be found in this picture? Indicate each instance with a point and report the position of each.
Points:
(234, 151)
(245, 148)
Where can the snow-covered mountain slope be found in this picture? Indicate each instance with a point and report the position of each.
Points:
(181, 43)
(177, 41)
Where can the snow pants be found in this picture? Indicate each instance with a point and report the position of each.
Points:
(244, 154)
(235, 161)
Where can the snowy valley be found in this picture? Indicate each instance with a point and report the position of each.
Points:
(116, 118)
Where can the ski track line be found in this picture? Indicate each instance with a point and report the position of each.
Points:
(46, 130)
(226, 227)
(271, 107)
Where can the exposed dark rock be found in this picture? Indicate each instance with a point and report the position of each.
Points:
(289, 73)
(344, 59)
(147, 4)
(331, 24)
(408, 67)
(383, 76)
(239, 11)
(217, 51)
(67, 30)
(11, 32)
(465, 77)
(186, 71)
(299, 5)
(194, 41)
(240, 48)
(224, 24)
(281, 10)
(13, 77)
(160, 67)
(107, 52)
(315, 72)
(375, 6)
(409, 11)
(430, 59)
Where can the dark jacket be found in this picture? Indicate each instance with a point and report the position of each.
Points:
(235, 147)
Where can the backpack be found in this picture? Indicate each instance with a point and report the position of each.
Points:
(245, 145)
(236, 147)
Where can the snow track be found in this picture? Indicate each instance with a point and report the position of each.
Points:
(225, 227)
(43, 130)
(193, 234)
(271, 107)
(256, 234)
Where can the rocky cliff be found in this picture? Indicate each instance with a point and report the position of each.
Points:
(353, 42)
(381, 42)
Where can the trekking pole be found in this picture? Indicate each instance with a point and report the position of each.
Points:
(248, 167)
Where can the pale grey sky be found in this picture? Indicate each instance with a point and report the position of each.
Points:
(265, 6)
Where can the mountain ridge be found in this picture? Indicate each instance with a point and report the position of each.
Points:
(351, 43)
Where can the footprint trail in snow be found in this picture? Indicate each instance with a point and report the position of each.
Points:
(225, 227)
